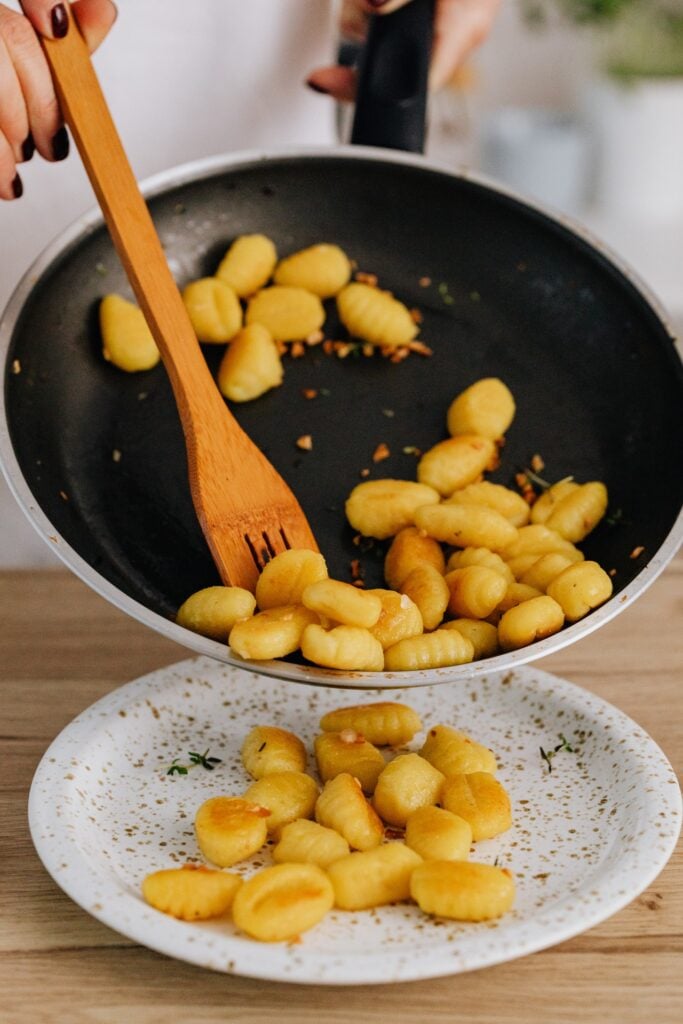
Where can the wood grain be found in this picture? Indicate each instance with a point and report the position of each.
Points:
(236, 492)
(62, 647)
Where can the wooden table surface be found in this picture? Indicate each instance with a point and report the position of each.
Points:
(63, 647)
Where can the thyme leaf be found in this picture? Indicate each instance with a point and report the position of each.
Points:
(548, 755)
(209, 763)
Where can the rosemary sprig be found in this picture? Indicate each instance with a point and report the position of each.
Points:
(206, 762)
(548, 755)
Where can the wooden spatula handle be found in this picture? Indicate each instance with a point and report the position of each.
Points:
(87, 115)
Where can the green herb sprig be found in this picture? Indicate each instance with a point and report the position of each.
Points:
(548, 755)
(206, 762)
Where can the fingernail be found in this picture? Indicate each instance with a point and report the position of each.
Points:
(59, 21)
(28, 148)
(60, 144)
(17, 187)
(318, 88)
(378, 3)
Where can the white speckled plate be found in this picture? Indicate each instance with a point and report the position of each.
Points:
(588, 836)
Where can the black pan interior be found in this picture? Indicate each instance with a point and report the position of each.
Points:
(512, 294)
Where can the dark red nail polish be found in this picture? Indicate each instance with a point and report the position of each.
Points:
(378, 3)
(60, 144)
(59, 21)
(28, 148)
(318, 88)
(17, 187)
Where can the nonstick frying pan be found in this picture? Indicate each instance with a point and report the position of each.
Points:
(96, 457)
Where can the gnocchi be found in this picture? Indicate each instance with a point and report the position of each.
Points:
(475, 591)
(213, 309)
(192, 892)
(431, 650)
(321, 269)
(480, 799)
(351, 648)
(486, 408)
(290, 314)
(230, 828)
(306, 842)
(437, 834)
(531, 620)
(428, 590)
(456, 462)
(406, 783)
(382, 508)
(408, 550)
(454, 752)
(267, 749)
(464, 891)
(509, 503)
(214, 611)
(342, 602)
(251, 365)
(375, 316)
(348, 751)
(280, 902)
(248, 264)
(272, 633)
(466, 526)
(342, 807)
(285, 577)
(385, 723)
(286, 795)
(400, 618)
(127, 341)
(579, 588)
(374, 877)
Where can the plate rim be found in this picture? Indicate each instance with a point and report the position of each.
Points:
(80, 882)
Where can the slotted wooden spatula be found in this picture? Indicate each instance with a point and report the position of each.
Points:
(246, 510)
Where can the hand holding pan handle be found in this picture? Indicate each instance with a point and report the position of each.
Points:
(392, 79)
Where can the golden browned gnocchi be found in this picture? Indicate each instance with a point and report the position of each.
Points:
(483, 635)
(437, 834)
(215, 610)
(230, 828)
(290, 314)
(400, 618)
(322, 269)
(306, 842)
(439, 649)
(545, 503)
(373, 878)
(192, 892)
(517, 593)
(342, 602)
(453, 752)
(342, 807)
(127, 341)
(280, 902)
(579, 588)
(248, 264)
(428, 590)
(509, 503)
(464, 891)
(287, 795)
(408, 550)
(475, 591)
(456, 462)
(466, 526)
(272, 633)
(544, 570)
(539, 539)
(531, 620)
(213, 309)
(251, 365)
(351, 648)
(385, 723)
(486, 408)
(284, 578)
(381, 508)
(480, 799)
(375, 316)
(479, 556)
(406, 783)
(348, 751)
(268, 749)
(577, 513)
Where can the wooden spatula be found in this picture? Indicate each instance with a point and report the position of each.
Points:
(246, 510)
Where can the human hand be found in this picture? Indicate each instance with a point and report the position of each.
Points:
(459, 27)
(30, 118)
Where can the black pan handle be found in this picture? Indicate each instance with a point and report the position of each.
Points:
(393, 71)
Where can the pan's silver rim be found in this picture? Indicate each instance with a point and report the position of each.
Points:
(207, 167)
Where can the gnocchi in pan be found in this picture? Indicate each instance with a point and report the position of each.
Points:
(473, 567)
(413, 840)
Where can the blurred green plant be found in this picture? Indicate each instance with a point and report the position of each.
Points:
(635, 38)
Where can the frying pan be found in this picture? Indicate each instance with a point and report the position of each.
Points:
(96, 457)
